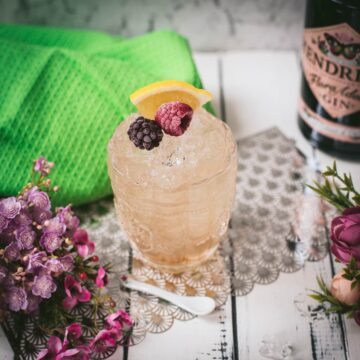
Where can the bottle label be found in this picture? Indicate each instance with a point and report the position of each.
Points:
(340, 132)
(331, 64)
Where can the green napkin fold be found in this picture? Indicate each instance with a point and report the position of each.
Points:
(62, 94)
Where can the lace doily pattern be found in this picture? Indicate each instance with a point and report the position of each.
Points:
(276, 224)
(153, 314)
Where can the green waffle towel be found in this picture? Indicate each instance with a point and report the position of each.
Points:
(62, 94)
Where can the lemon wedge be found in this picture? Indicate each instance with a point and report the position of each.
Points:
(149, 98)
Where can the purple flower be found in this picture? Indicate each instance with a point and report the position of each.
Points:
(38, 199)
(51, 238)
(83, 245)
(67, 263)
(43, 166)
(74, 293)
(12, 252)
(16, 298)
(40, 216)
(103, 340)
(36, 261)
(50, 241)
(23, 218)
(101, 278)
(345, 235)
(54, 266)
(44, 286)
(67, 217)
(9, 207)
(55, 226)
(4, 222)
(33, 303)
(25, 237)
(3, 273)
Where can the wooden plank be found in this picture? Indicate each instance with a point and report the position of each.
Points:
(202, 338)
(6, 352)
(261, 90)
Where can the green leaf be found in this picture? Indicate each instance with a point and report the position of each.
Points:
(333, 309)
(347, 276)
(334, 166)
(328, 172)
(356, 199)
(316, 297)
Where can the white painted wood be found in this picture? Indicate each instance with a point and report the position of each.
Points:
(352, 331)
(203, 338)
(208, 66)
(261, 89)
(6, 352)
(269, 310)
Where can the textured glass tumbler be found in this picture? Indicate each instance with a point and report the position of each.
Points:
(174, 202)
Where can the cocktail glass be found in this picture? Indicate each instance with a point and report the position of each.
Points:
(174, 202)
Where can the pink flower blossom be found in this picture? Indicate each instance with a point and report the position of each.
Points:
(54, 346)
(71, 354)
(101, 278)
(345, 235)
(74, 293)
(72, 332)
(81, 352)
(103, 340)
(341, 289)
(83, 245)
(119, 320)
(57, 350)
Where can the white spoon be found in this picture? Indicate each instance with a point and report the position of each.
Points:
(197, 305)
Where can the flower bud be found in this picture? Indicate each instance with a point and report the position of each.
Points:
(341, 290)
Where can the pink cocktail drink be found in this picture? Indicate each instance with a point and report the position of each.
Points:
(174, 202)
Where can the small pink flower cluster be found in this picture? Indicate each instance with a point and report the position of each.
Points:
(74, 347)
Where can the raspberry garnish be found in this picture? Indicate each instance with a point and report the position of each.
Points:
(145, 134)
(174, 117)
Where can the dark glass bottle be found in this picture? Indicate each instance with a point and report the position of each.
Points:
(329, 108)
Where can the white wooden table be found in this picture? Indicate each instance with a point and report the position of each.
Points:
(254, 91)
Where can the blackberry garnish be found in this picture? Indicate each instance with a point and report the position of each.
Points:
(145, 134)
